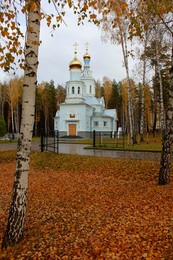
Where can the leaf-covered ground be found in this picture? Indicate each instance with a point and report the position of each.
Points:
(82, 207)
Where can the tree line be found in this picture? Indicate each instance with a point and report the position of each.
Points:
(49, 97)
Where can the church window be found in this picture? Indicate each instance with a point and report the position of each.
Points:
(105, 123)
(72, 90)
(96, 123)
(78, 91)
(72, 115)
(90, 88)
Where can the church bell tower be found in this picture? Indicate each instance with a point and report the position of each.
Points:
(74, 86)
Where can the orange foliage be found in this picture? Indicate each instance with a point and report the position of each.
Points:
(83, 207)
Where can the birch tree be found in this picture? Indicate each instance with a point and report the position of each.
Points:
(124, 95)
(163, 11)
(157, 55)
(166, 157)
(158, 70)
(143, 89)
(115, 26)
(148, 107)
(14, 229)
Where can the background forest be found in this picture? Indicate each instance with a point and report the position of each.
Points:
(49, 96)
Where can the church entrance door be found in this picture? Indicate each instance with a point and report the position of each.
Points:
(72, 129)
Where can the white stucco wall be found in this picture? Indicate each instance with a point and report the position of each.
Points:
(80, 119)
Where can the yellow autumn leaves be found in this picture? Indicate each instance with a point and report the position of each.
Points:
(84, 207)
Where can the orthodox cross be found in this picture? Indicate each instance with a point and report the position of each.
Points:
(75, 47)
(86, 44)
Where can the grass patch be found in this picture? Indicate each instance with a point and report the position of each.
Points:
(150, 143)
(138, 147)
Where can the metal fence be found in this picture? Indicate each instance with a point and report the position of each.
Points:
(108, 139)
(51, 141)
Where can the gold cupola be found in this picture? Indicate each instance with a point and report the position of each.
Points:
(86, 55)
(75, 63)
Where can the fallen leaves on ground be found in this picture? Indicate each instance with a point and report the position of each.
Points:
(83, 207)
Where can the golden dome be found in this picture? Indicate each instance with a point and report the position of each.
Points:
(75, 63)
(86, 56)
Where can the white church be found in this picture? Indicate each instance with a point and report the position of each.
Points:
(82, 112)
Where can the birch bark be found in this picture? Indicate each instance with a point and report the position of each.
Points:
(158, 69)
(125, 56)
(16, 218)
(143, 91)
(166, 156)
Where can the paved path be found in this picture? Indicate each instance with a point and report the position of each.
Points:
(13, 146)
(80, 149)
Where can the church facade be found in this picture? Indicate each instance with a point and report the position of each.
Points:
(82, 112)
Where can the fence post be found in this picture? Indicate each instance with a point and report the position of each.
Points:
(54, 140)
(42, 141)
(123, 138)
(116, 139)
(57, 141)
(101, 138)
(94, 138)
(46, 140)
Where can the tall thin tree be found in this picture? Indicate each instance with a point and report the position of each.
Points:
(14, 229)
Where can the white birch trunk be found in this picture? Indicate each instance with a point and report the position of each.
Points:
(158, 69)
(125, 56)
(12, 118)
(14, 230)
(143, 91)
(142, 104)
(166, 156)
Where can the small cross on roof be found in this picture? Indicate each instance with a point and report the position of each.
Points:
(75, 47)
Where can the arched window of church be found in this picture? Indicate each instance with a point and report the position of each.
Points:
(90, 88)
(72, 90)
(78, 91)
(72, 115)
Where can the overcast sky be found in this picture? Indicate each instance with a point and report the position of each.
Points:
(56, 53)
